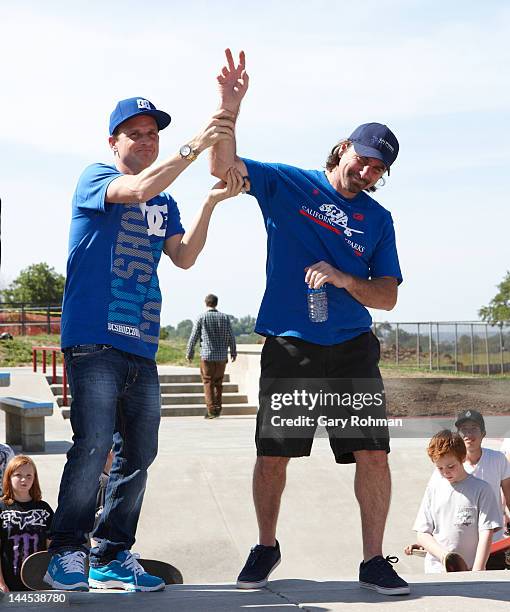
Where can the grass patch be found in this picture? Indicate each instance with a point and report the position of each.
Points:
(18, 351)
(173, 352)
(424, 371)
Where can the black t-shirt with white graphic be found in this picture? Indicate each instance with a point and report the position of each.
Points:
(24, 528)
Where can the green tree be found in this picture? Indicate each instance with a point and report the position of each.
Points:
(37, 284)
(168, 332)
(244, 325)
(498, 310)
(184, 329)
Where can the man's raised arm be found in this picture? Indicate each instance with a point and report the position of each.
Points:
(233, 85)
(149, 182)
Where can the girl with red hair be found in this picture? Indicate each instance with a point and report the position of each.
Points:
(25, 520)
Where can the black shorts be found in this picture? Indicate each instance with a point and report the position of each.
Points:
(289, 360)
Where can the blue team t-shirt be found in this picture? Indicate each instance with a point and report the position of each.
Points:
(307, 221)
(112, 293)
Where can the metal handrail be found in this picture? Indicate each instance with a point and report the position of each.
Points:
(54, 350)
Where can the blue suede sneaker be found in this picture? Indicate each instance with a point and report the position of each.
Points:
(379, 575)
(66, 571)
(124, 572)
(261, 561)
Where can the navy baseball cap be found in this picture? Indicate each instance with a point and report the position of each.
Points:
(375, 140)
(131, 107)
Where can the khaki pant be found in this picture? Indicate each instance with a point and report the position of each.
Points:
(212, 376)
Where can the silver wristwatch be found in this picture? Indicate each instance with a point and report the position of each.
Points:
(186, 152)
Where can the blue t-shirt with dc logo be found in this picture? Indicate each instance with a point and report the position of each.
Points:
(308, 221)
(112, 293)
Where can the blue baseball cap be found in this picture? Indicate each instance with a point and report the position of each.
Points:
(375, 140)
(131, 107)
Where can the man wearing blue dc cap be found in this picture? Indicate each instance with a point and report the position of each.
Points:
(324, 231)
(122, 222)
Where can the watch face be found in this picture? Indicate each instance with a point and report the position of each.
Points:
(185, 150)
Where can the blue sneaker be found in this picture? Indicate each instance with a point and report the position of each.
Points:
(124, 572)
(261, 561)
(379, 575)
(66, 571)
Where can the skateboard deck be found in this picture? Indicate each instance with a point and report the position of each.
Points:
(503, 544)
(165, 571)
(496, 547)
(453, 562)
(34, 568)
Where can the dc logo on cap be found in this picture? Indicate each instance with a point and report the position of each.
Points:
(143, 103)
(468, 413)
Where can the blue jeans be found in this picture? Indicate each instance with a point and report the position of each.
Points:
(115, 400)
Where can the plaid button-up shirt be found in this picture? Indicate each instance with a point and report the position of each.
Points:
(215, 333)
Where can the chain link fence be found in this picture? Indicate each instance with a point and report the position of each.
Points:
(456, 346)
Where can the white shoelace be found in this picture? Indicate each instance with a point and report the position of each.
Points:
(73, 562)
(132, 564)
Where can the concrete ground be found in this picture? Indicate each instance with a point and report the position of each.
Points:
(198, 515)
(444, 593)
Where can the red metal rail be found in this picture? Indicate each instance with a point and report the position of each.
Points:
(54, 350)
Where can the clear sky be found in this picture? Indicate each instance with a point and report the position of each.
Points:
(436, 72)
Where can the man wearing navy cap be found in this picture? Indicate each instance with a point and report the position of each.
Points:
(323, 230)
(122, 221)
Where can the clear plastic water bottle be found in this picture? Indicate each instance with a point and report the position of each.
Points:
(317, 304)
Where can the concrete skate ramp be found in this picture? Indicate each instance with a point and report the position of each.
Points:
(440, 594)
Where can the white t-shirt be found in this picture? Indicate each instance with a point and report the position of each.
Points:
(492, 467)
(454, 513)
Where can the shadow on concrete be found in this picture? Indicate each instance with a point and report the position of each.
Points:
(226, 597)
(440, 595)
(178, 598)
(345, 591)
